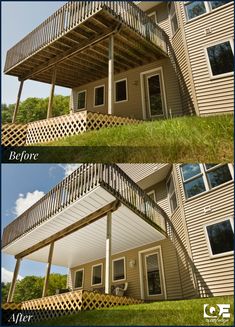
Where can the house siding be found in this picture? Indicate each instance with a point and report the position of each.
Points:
(214, 96)
(133, 107)
(170, 267)
(214, 275)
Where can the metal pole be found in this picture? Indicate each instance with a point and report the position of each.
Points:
(108, 254)
(111, 75)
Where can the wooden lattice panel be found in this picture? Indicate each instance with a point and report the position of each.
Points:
(96, 121)
(55, 128)
(14, 134)
(68, 303)
(11, 306)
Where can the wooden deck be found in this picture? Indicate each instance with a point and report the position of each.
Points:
(82, 181)
(52, 129)
(69, 303)
(75, 41)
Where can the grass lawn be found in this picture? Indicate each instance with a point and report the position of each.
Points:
(173, 313)
(184, 139)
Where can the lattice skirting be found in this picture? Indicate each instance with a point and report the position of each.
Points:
(69, 303)
(52, 129)
(14, 134)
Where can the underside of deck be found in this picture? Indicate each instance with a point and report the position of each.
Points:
(79, 47)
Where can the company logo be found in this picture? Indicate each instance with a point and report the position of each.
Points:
(218, 313)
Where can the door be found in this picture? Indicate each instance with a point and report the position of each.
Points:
(152, 276)
(154, 96)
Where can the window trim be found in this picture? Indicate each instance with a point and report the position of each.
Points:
(115, 83)
(153, 13)
(208, 10)
(117, 259)
(213, 77)
(96, 265)
(169, 196)
(79, 92)
(83, 272)
(208, 189)
(154, 194)
(170, 19)
(99, 105)
(211, 255)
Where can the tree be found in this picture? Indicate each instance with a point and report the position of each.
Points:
(30, 287)
(33, 109)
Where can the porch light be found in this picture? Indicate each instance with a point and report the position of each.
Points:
(132, 263)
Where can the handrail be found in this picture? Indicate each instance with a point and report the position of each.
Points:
(73, 187)
(74, 13)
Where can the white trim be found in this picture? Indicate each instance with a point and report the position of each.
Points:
(115, 82)
(96, 265)
(83, 273)
(158, 71)
(154, 194)
(99, 105)
(158, 247)
(212, 256)
(83, 91)
(169, 195)
(213, 77)
(118, 280)
(153, 13)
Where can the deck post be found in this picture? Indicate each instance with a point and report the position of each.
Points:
(111, 75)
(50, 103)
(108, 254)
(48, 269)
(17, 102)
(14, 279)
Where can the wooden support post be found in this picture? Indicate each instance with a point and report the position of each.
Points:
(108, 253)
(46, 281)
(14, 279)
(50, 103)
(17, 102)
(111, 75)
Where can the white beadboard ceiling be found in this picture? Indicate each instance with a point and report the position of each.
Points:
(88, 244)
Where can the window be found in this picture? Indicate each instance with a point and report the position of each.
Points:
(173, 17)
(153, 16)
(121, 90)
(79, 275)
(96, 277)
(220, 57)
(220, 237)
(119, 269)
(151, 194)
(198, 178)
(99, 96)
(81, 100)
(171, 194)
(196, 8)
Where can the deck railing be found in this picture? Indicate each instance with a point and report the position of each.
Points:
(80, 182)
(74, 13)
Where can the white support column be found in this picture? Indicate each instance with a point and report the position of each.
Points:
(13, 283)
(108, 254)
(111, 75)
(17, 102)
(48, 269)
(50, 103)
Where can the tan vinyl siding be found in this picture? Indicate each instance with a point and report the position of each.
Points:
(214, 96)
(133, 107)
(214, 275)
(170, 266)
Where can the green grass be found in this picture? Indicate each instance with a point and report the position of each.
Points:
(184, 139)
(173, 313)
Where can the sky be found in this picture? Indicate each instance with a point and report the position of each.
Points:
(22, 185)
(18, 19)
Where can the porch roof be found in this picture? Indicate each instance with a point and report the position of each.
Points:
(75, 41)
(137, 221)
